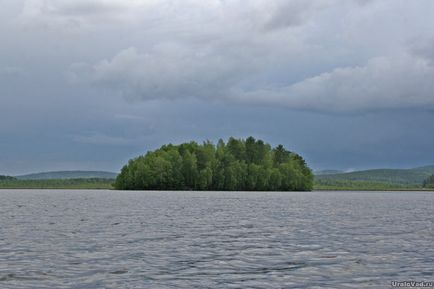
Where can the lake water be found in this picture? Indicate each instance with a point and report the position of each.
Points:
(109, 239)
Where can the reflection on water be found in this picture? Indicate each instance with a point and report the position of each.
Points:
(109, 239)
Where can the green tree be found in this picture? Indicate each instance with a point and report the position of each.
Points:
(189, 170)
(280, 155)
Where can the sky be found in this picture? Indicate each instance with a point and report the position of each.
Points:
(89, 84)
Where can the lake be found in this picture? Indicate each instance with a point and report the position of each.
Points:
(112, 239)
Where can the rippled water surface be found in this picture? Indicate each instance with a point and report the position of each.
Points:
(109, 239)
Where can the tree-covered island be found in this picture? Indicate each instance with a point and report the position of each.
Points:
(238, 165)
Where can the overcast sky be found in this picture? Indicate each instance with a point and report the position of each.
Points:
(89, 84)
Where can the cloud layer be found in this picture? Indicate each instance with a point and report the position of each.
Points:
(87, 84)
(297, 54)
(398, 82)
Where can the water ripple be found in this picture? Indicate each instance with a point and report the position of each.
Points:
(107, 239)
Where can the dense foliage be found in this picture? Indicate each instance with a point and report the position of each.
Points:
(429, 182)
(248, 165)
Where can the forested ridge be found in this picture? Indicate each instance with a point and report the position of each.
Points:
(406, 177)
(429, 182)
(238, 165)
(6, 178)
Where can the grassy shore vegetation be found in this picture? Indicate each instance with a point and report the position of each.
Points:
(238, 165)
(78, 184)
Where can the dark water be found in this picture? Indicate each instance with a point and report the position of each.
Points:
(108, 239)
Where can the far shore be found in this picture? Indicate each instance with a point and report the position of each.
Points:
(107, 184)
(72, 188)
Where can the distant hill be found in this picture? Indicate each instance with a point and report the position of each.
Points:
(68, 175)
(6, 178)
(327, 172)
(415, 176)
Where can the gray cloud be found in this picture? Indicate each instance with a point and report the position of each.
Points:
(280, 14)
(258, 14)
(288, 13)
(389, 82)
(168, 72)
(394, 82)
(78, 14)
(103, 139)
(198, 69)
(11, 71)
(129, 117)
(245, 54)
(424, 48)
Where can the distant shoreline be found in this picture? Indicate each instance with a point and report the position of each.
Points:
(373, 190)
(2, 188)
(59, 184)
(414, 179)
(107, 184)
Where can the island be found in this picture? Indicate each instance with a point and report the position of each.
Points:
(238, 165)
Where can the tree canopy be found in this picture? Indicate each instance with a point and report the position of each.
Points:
(238, 165)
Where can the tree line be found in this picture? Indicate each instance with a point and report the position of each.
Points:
(238, 165)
